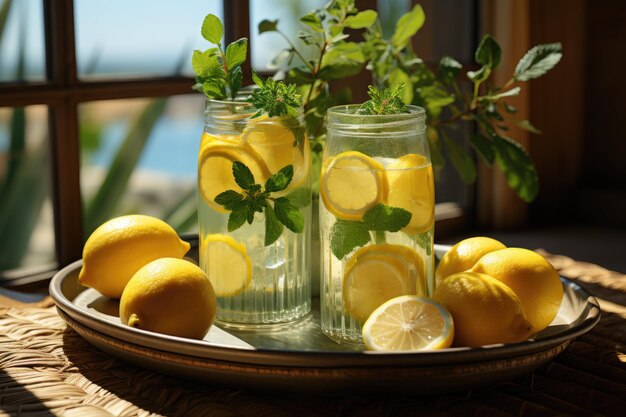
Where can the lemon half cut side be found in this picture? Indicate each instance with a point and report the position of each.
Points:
(409, 323)
(228, 264)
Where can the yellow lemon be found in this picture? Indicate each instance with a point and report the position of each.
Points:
(120, 246)
(215, 169)
(377, 273)
(409, 323)
(465, 254)
(484, 310)
(227, 264)
(171, 296)
(352, 183)
(531, 277)
(276, 145)
(411, 187)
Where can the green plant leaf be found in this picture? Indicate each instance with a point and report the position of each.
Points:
(236, 52)
(243, 175)
(289, 215)
(230, 199)
(345, 236)
(236, 78)
(268, 26)
(483, 147)
(384, 218)
(509, 93)
(345, 68)
(280, 180)
(434, 98)
(526, 125)
(361, 20)
(313, 21)
(238, 217)
(488, 52)
(273, 227)
(300, 197)
(479, 75)
(518, 168)
(407, 26)
(537, 61)
(449, 68)
(461, 160)
(399, 77)
(212, 29)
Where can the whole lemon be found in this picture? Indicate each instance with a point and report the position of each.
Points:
(120, 246)
(533, 279)
(171, 296)
(484, 310)
(465, 254)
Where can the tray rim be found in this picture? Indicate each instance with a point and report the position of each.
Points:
(319, 359)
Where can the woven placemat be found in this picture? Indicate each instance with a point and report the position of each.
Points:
(46, 369)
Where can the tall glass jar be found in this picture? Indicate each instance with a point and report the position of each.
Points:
(256, 284)
(376, 216)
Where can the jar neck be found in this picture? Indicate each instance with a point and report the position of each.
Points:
(345, 121)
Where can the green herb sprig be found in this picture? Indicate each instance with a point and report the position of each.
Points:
(279, 211)
(346, 235)
(218, 72)
(274, 98)
(387, 101)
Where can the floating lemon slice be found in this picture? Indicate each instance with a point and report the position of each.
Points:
(377, 273)
(276, 145)
(228, 265)
(215, 169)
(351, 184)
(409, 323)
(411, 187)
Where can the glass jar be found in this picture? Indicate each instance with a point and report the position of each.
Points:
(376, 216)
(257, 284)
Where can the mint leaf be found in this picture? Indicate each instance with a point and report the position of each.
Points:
(236, 53)
(488, 52)
(484, 147)
(361, 20)
(407, 26)
(243, 175)
(345, 236)
(280, 180)
(384, 218)
(230, 199)
(537, 61)
(300, 197)
(268, 26)
(236, 78)
(313, 21)
(518, 168)
(289, 215)
(388, 101)
(238, 217)
(212, 29)
(273, 227)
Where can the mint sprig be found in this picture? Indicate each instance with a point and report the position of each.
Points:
(347, 235)
(279, 212)
(274, 97)
(387, 101)
(218, 72)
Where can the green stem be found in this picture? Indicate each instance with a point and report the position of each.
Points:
(379, 237)
(293, 48)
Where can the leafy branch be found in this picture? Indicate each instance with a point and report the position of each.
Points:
(387, 101)
(218, 72)
(279, 212)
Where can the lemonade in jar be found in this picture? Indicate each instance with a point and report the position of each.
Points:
(254, 200)
(376, 215)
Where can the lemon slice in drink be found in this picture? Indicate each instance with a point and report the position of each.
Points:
(215, 169)
(276, 145)
(375, 274)
(411, 187)
(409, 323)
(229, 266)
(351, 184)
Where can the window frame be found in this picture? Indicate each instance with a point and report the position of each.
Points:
(63, 92)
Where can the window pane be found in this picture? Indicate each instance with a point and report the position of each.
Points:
(140, 156)
(26, 223)
(22, 56)
(139, 38)
(266, 46)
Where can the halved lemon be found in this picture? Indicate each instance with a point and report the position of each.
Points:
(351, 184)
(276, 145)
(228, 265)
(411, 187)
(377, 273)
(409, 323)
(215, 169)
